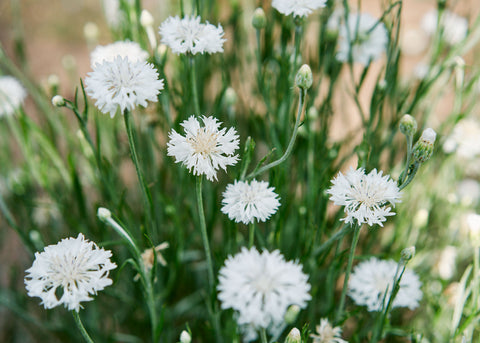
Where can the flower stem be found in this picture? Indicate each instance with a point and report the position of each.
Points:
(263, 335)
(251, 234)
(301, 108)
(356, 235)
(81, 327)
(193, 81)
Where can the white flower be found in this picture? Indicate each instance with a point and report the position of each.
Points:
(326, 333)
(454, 28)
(188, 35)
(364, 36)
(204, 149)
(113, 13)
(12, 95)
(122, 84)
(73, 269)
(371, 279)
(260, 287)
(464, 139)
(300, 8)
(109, 52)
(245, 202)
(364, 196)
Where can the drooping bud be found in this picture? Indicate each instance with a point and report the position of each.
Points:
(423, 149)
(259, 20)
(408, 125)
(291, 314)
(104, 214)
(185, 337)
(294, 336)
(408, 253)
(304, 77)
(146, 19)
(58, 101)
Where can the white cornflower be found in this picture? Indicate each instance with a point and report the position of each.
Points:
(12, 95)
(364, 196)
(364, 36)
(464, 139)
(122, 84)
(299, 8)
(204, 149)
(244, 202)
(326, 333)
(188, 35)
(371, 279)
(261, 286)
(109, 52)
(73, 269)
(454, 28)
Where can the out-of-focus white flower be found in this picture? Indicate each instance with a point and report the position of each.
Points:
(204, 149)
(185, 337)
(299, 8)
(373, 278)
(261, 286)
(12, 95)
(473, 222)
(113, 13)
(244, 202)
(445, 265)
(464, 139)
(124, 49)
(364, 37)
(454, 27)
(188, 35)
(365, 196)
(326, 333)
(123, 85)
(74, 267)
(468, 192)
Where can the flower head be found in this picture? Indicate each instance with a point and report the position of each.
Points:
(364, 37)
(326, 333)
(12, 95)
(74, 267)
(261, 286)
(372, 281)
(188, 35)
(464, 139)
(454, 28)
(299, 8)
(109, 52)
(244, 202)
(364, 195)
(122, 84)
(204, 149)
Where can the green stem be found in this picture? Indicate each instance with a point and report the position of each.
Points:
(251, 234)
(263, 335)
(81, 327)
(356, 235)
(301, 108)
(336, 236)
(193, 81)
(409, 156)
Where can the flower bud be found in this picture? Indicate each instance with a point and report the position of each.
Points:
(473, 222)
(90, 31)
(291, 314)
(304, 77)
(408, 125)
(259, 20)
(146, 19)
(185, 337)
(53, 81)
(230, 96)
(294, 336)
(104, 214)
(58, 101)
(408, 253)
(423, 149)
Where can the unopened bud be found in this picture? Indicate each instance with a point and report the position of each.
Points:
(292, 314)
(146, 19)
(304, 77)
(259, 20)
(90, 31)
(230, 96)
(423, 149)
(408, 253)
(408, 125)
(162, 51)
(185, 337)
(104, 214)
(58, 101)
(294, 336)
(53, 81)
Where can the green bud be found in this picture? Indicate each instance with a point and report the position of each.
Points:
(259, 20)
(304, 77)
(291, 314)
(423, 149)
(230, 96)
(294, 336)
(408, 253)
(408, 125)
(58, 101)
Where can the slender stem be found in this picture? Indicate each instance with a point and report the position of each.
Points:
(263, 335)
(356, 234)
(301, 108)
(336, 236)
(251, 234)
(409, 156)
(298, 38)
(193, 81)
(259, 61)
(81, 327)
